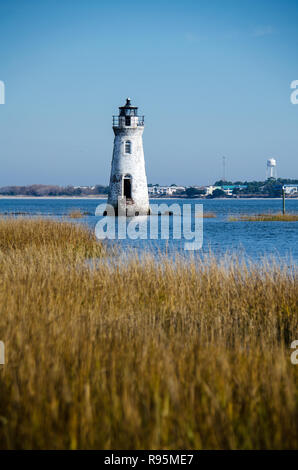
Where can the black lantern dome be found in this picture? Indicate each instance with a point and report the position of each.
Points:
(128, 109)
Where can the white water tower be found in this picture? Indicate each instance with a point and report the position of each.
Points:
(271, 168)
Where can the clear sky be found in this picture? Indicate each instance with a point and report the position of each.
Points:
(211, 76)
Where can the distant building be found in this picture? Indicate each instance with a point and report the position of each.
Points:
(210, 189)
(164, 190)
(228, 189)
(290, 189)
(84, 187)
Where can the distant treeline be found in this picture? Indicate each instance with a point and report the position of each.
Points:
(49, 190)
(270, 188)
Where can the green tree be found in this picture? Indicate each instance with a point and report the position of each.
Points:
(218, 193)
(193, 192)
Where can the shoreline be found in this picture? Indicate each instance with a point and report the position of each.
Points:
(53, 197)
(151, 198)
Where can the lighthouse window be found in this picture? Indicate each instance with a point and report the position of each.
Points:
(127, 146)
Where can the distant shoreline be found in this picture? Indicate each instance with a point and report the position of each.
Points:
(151, 198)
(54, 197)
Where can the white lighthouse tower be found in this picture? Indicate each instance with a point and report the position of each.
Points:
(128, 182)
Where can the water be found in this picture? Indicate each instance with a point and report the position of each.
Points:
(254, 239)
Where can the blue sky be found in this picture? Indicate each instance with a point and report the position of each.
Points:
(211, 76)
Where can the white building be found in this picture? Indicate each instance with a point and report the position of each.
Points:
(164, 190)
(128, 182)
(226, 188)
(291, 189)
(84, 187)
(210, 189)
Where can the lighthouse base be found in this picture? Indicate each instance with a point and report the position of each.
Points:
(127, 208)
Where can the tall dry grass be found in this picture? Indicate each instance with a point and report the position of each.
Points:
(142, 354)
(270, 217)
(35, 235)
(78, 214)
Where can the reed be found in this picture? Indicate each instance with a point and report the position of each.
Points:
(209, 215)
(49, 235)
(145, 354)
(77, 214)
(279, 217)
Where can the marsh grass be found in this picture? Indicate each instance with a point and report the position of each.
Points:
(77, 214)
(144, 354)
(21, 234)
(208, 215)
(279, 217)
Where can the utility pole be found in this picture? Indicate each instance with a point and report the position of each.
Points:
(283, 200)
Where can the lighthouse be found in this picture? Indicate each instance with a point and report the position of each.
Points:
(128, 183)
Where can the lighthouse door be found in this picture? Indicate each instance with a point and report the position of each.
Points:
(127, 187)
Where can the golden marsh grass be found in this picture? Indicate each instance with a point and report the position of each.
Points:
(279, 217)
(77, 214)
(142, 354)
(208, 215)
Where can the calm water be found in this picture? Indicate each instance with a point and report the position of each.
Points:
(255, 239)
